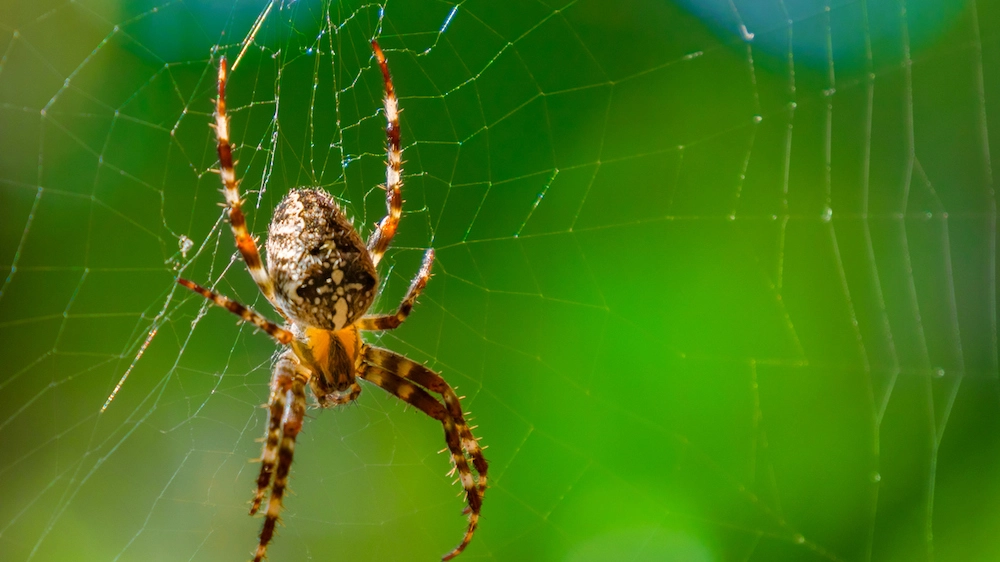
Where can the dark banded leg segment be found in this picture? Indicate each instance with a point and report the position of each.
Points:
(288, 395)
(413, 371)
(287, 363)
(386, 229)
(277, 332)
(391, 321)
(418, 397)
(230, 186)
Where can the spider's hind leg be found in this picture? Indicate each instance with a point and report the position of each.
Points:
(379, 241)
(230, 187)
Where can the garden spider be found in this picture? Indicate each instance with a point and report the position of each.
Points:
(321, 278)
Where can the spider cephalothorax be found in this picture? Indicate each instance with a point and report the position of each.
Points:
(322, 279)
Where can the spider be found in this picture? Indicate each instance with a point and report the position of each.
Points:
(322, 279)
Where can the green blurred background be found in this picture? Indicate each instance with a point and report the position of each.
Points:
(717, 279)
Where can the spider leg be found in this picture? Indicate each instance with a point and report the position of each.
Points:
(391, 321)
(270, 454)
(410, 370)
(380, 239)
(455, 428)
(277, 332)
(287, 363)
(288, 396)
(238, 222)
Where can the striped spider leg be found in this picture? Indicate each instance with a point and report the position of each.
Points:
(386, 229)
(322, 279)
(230, 187)
(411, 382)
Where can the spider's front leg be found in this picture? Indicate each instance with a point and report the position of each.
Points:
(406, 379)
(287, 406)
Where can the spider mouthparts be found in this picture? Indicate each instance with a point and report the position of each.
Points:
(338, 397)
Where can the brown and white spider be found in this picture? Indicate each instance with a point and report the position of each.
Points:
(321, 278)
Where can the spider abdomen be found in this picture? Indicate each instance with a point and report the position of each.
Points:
(322, 272)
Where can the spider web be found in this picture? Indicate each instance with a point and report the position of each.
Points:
(717, 278)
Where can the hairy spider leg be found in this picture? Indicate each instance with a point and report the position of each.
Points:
(409, 369)
(392, 321)
(288, 395)
(272, 436)
(458, 444)
(268, 458)
(230, 186)
(379, 241)
(247, 315)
